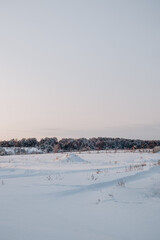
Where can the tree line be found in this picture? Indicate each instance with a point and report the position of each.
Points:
(82, 144)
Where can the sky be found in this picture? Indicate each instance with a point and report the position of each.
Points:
(80, 68)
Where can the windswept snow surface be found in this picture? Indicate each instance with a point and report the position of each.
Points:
(75, 196)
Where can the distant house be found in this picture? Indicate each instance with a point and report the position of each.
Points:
(2, 152)
(156, 149)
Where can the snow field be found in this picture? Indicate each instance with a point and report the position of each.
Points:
(109, 196)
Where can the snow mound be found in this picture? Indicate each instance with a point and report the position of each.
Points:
(72, 158)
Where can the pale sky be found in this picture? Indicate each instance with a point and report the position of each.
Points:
(80, 68)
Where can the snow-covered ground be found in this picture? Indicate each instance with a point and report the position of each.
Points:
(97, 196)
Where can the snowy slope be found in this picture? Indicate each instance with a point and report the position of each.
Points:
(109, 196)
